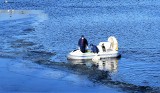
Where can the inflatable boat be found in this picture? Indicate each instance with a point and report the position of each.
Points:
(107, 49)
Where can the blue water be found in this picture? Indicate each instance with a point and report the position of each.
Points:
(59, 25)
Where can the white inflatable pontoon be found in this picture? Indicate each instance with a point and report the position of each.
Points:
(106, 49)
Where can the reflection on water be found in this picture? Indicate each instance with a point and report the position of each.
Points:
(6, 1)
(17, 27)
(12, 14)
(105, 64)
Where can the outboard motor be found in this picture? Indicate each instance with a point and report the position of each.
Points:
(114, 42)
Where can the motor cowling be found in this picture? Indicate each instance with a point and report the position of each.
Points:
(114, 42)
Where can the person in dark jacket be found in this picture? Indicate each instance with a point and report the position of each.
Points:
(94, 49)
(82, 43)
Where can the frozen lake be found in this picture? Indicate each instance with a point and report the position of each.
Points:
(45, 32)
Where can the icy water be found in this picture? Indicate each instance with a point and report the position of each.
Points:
(44, 32)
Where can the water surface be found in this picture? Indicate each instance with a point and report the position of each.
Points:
(50, 34)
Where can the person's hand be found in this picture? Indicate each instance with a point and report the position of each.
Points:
(87, 47)
(78, 48)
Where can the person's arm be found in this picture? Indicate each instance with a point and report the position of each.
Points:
(86, 42)
(79, 42)
(91, 49)
(97, 49)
